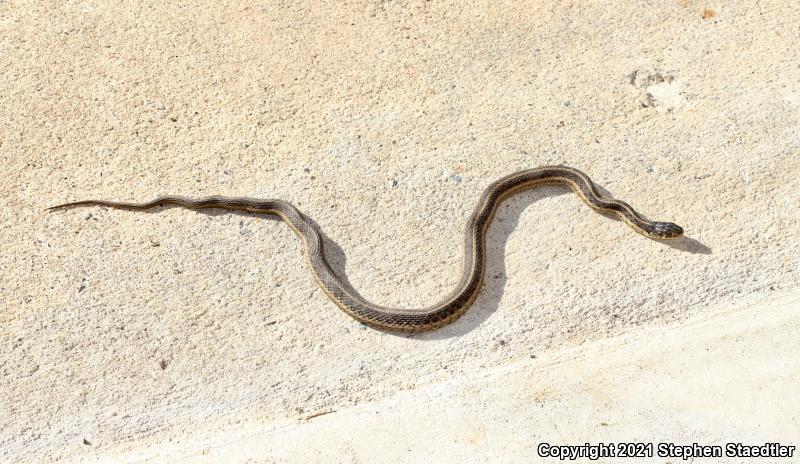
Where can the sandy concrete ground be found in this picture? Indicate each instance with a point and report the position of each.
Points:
(383, 121)
(691, 382)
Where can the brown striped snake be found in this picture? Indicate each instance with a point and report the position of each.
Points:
(468, 287)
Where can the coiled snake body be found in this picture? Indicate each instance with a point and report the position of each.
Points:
(468, 287)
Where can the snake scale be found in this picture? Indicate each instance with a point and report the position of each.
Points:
(469, 285)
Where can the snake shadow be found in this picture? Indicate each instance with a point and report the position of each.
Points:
(505, 222)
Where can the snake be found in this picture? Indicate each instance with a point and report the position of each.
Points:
(456, 303)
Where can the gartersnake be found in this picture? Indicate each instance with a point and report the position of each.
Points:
(468, 287)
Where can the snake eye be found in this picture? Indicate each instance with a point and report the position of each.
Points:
(667, 230)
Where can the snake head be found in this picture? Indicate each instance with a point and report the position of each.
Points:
(666, 230)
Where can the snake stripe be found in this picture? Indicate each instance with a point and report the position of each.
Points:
(468, 287)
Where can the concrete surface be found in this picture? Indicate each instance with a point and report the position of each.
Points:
(727, 376)
(383, 121)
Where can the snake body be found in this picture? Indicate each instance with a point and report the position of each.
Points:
(469, 285)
